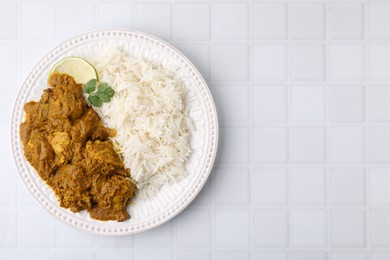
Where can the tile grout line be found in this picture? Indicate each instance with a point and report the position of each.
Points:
(300, 82)
(96, 15)
(249, 8)
(300, 165)
(211, 63)
(287, 171)
(173, 19)
(296, 206)
(18, 79)
(278, 42)
(327, 59)
(134, 21)
(365, 37)
(174, 228)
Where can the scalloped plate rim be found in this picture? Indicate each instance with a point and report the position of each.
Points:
(212, 123)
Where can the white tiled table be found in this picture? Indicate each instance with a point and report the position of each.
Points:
(303, 94)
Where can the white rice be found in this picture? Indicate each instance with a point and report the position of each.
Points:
(150, 115)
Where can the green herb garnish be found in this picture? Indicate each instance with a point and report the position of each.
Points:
(98, 93)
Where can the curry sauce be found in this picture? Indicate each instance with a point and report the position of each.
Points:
(66, 142)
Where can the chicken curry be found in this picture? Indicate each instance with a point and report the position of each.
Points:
(65, 141)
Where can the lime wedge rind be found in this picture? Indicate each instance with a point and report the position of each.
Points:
(77, 67)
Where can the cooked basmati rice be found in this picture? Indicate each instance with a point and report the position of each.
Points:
(150, 115)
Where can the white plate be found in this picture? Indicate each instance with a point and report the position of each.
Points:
(172, 199)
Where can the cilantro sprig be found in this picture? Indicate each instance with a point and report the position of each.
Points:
(98, 93)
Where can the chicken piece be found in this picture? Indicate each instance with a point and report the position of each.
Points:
(60, 141)
(111, 194)
(25, 133)
(71, 186)
(102, 133)
(57, 124)
(88, 126)
(101, 157)
(32, 113)
(40, 153)
(66, 99)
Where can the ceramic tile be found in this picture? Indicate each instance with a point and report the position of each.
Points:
(189, 14)
(8, 21)
(270, 228)
(347, 228)
(379, 178)
(270, 186)
(270, 104)
(346, 103)
(379, 20)
(346, 62)
(149, 14)
(308, 228)
(232, 67)
(307, 144)
(33, 22)
(380, 226)
(307, 186)
(36, 229)
(308, 103)
(116, 15)
(8, 225)
(378, 107)
(346, 144)
(347, 186)
(379, 61)
(345, 21)
(234, 146)
(190, 235)
(269, 62)
(307, 62)
(225, 181)
(82, 19)
(232, 103)
(230, 21)
(270, 145)
(269, 21)
(223, 228)
(306, 21)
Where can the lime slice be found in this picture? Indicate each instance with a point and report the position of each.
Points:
(79, 68)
